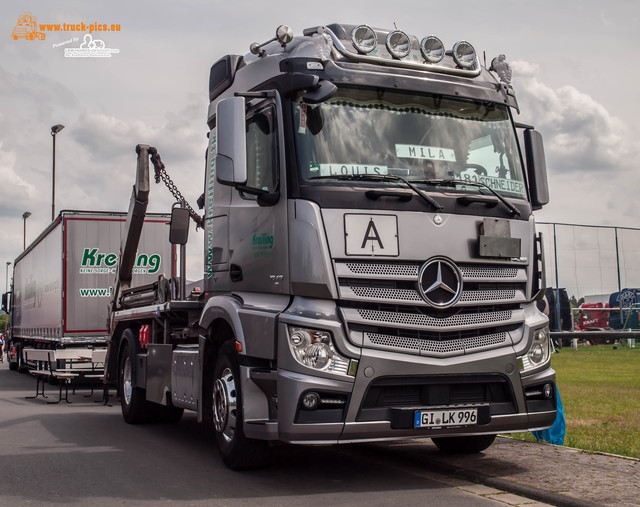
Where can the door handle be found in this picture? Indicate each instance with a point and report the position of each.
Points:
(235, 273)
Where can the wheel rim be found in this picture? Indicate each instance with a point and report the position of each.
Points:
(127, 385)
(225, 405)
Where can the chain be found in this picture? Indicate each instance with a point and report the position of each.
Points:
(162, 175)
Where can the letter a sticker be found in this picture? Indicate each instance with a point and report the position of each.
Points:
(372, 235)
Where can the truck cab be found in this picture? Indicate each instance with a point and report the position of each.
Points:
(370, 257)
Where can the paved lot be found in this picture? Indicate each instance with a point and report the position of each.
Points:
(85, 454)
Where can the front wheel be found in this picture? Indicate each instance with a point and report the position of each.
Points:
(464, 445)
(238, 452)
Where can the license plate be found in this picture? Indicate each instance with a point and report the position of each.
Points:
(445, 418)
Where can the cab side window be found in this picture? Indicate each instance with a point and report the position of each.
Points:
(262, 151)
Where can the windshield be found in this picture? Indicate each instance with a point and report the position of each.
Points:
(412, 136)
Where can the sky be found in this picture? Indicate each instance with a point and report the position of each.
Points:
(574, 72)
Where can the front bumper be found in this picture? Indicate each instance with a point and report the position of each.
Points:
(380, 403)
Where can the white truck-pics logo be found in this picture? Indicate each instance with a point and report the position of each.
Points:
(96, 262)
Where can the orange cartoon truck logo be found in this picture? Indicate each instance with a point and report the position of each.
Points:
(26, 27)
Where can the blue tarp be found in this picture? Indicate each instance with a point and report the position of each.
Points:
(555, 434)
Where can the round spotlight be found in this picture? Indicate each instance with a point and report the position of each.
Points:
(432, 49)
(284, 34)
(464, 54)
(364, 38)
(311, 401)
(398, 43)
(547, 391)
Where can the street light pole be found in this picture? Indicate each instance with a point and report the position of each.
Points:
(54, 130)
(25, 215)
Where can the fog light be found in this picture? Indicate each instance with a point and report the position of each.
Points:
(310, 401)
(398, 43)
(547, 391)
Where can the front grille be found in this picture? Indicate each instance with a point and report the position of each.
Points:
(377, 268)
(419, 320)
(382, 300)
(444, 347)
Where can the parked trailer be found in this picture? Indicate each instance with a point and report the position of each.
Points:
(370, 258)
(63, 281)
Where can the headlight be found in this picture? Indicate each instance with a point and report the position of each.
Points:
(314, 349)
(539, 352)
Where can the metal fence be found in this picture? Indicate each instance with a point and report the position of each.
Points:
(590, 262)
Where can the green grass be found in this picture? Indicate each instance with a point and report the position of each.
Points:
(600, 391)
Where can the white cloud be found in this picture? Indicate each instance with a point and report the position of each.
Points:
(581, 136)
(22, 191)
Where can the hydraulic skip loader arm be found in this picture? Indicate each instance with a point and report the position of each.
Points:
(133, 226)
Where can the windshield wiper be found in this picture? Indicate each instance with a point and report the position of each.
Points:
(455, 183)
(381, 177)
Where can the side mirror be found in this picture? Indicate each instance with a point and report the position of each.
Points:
(179, 228)
(536, 168)
(5, 302)
(231, 159)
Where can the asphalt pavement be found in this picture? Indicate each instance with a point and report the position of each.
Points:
(83, 453)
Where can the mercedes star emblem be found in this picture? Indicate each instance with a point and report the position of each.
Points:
(440, 282)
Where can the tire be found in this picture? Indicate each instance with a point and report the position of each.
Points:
(169, 414)
(135, 408)
(464, 445)
(12, 366)
(237, 451)
(21, 365)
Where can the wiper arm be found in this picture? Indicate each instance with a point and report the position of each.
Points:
(455, 183)
(381, 177)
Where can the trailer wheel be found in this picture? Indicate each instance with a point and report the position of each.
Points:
(22, 366)
(464, 445)
(238, 452)
(135, 408)
(13, 365)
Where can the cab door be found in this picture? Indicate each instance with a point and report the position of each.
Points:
(258, 243)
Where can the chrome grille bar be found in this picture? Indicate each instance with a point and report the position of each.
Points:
(425, 322)
(435, 347)
(405, 296)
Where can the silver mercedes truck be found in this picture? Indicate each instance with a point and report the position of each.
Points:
(371, 264)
